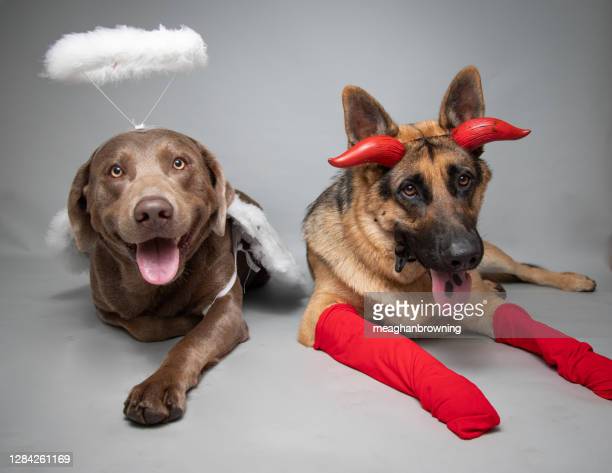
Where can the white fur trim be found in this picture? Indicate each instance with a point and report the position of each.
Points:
(114, 54)
(265, 244)
(60, 239)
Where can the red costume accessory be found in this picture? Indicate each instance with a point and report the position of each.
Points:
(402, 364)
(388, 151)
(573, 359)
(380, 149)
(479, 131)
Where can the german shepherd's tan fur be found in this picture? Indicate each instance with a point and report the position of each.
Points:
(349, 229)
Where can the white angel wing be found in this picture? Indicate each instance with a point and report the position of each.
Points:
(265, 244)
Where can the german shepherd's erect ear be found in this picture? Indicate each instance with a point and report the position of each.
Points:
(364, 116)
(463, 99)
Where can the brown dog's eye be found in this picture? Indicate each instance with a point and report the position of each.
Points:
(410, 191)
(179, 164)
(464, 180)
(116, 171)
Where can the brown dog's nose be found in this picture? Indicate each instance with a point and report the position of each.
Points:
(153, 211)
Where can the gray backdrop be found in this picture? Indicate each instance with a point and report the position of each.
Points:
(269, 106)
(269, 103)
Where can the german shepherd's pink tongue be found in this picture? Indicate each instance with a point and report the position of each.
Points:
(450, 287)
(158, 260)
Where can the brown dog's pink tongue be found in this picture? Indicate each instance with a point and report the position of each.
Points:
(450, 287)
(158, 260)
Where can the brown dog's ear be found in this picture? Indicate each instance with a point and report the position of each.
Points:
(364, 116)
(80, 223)
(223, 191)
(463, 99)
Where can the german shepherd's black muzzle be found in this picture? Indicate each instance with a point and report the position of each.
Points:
(441, 247)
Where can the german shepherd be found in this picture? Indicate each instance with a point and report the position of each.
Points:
(434, 195)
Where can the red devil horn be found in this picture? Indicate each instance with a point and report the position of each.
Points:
(379, 149)
(478, 131)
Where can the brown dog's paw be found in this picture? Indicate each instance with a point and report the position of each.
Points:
(577, 282)
(156, 400)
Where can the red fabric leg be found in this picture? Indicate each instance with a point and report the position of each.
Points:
(400, 363)
(574, 360)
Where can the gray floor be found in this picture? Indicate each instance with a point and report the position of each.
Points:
(274, 406)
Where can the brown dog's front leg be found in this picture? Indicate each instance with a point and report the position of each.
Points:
(162, 396)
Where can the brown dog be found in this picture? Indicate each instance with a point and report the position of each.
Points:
(150, 209)
(433, 198)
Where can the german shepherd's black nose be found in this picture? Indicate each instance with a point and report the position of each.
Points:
(153, 211)
(464, 252)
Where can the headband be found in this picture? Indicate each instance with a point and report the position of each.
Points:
(388, 151)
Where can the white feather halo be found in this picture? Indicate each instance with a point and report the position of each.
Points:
(113, 54)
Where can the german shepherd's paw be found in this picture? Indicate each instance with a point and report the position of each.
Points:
(576, 282)
(156, 400)
(495, 287)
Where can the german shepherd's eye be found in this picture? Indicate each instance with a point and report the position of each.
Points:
(464, 181)
(179, 163)
(116, 171)
(409, 191)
